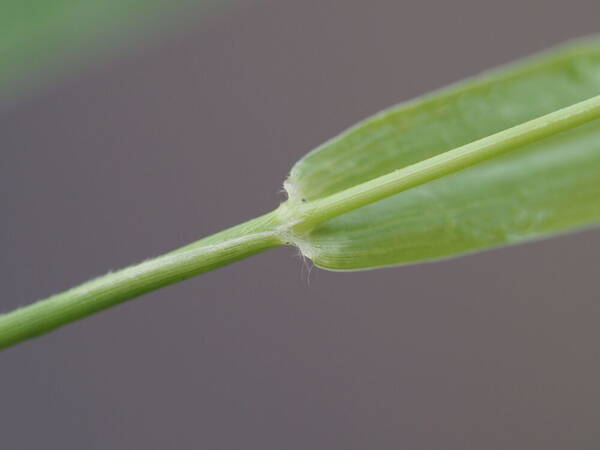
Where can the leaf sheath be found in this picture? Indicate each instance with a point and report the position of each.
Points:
(231, 245)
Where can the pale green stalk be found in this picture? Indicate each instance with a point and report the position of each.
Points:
(284, 225)
(38, 318)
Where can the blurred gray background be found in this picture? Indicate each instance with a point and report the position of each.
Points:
(195, 131)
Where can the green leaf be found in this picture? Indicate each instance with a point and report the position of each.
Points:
(544, 188)
(508, 157)
(40, 36)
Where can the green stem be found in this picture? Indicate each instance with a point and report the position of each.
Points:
(270, 230)
(207, 254)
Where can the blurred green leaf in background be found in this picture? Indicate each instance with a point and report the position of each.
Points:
(42, 39)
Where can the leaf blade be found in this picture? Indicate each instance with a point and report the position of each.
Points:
(546, 188)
